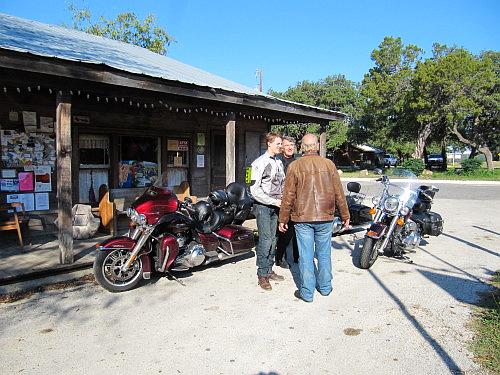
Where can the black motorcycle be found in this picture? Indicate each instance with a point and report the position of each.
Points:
(401, 219)
(360, 214)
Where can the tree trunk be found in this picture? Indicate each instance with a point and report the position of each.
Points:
(423, 134)
(488, 155)
(482, 149)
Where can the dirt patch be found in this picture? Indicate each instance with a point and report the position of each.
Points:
(22, 294)
(352, 331)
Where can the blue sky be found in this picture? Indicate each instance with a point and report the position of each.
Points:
(291, 40)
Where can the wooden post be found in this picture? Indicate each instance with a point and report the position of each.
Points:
(64, 183)
(322, 143)
(231, 150)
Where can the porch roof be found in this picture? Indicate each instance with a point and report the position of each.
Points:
(63, 45)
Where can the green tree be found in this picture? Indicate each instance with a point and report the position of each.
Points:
(126, 27)
(388, 121)
(456, 93)
(333, 92)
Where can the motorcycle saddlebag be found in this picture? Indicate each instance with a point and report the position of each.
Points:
(432, 223)
(236, 239)
(360, 213)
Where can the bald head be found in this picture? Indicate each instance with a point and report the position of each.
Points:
(309, 143)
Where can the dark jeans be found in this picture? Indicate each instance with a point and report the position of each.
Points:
(267, 222)
(283, 240)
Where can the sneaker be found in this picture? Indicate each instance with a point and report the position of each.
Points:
(264, 283)
(298, 296)
(275, 277)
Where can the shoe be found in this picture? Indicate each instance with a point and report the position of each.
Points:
(275, 277)
(264, 283)
(283, 264)
(298, 296)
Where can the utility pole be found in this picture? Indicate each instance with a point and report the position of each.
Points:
(259, 74)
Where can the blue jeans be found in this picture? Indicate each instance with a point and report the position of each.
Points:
(294, 267)
(267, 222)
(314, 241)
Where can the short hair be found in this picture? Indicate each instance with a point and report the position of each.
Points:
(310, 146)
(271, 136)
(289, 139)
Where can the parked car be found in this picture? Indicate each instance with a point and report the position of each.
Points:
(390, 160)
(435, 161)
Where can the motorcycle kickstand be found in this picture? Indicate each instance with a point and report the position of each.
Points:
(405, 259)
(175, 278)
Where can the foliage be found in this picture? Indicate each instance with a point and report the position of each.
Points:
(457, 94)
(126, 27)
(386, 88)
(471, 165)
(415, 165)
(334, 93)
(486, 345)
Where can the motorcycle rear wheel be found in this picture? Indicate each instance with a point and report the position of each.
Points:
(369, 252)
(108, 274)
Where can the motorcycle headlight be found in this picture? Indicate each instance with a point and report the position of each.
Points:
(404, 211)
(376, 201)
(391, 204)
(130, 212)
(141, 219)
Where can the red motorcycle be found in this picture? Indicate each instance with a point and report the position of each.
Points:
(169, 235)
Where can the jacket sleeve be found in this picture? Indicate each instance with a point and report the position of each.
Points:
(340, 200)
(289, 195)
(256, 189)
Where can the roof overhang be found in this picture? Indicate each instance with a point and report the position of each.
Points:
(103, 74)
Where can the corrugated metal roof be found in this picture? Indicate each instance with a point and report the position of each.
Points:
(41, 39)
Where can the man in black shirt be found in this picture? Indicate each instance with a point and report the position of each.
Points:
(287, 156)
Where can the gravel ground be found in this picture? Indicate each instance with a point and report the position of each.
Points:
(395, 318)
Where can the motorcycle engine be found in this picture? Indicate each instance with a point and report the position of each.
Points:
(190, 256)
(410, 235)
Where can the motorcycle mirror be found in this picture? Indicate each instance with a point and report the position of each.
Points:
(378, 171)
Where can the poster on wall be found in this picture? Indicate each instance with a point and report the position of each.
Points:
(200, 161)
(26, 180)
(27, 199)
(41, 201)
(200, 139)
(135, 173)
(8, 173)
(23, 149)
(43, 180)
(46, 124)
(29, 121)
(9, 184)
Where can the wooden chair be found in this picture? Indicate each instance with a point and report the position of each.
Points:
(182, 191)
(11, 219)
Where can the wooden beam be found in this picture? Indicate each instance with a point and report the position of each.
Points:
(107, 75)
(231, 150)
(64, 184)
(322, 144)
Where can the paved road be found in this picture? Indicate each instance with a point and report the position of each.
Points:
(395, 318)
(447, 190)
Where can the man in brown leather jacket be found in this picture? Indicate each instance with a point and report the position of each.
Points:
(312, 190)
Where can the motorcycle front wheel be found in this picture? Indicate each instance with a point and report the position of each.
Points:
(108, 272)
(369, 252)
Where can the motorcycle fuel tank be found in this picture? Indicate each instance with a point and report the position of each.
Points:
(155, 203)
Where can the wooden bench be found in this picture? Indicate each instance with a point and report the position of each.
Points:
(11, 218)
(115, 203)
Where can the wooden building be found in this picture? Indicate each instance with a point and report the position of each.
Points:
(79, 111)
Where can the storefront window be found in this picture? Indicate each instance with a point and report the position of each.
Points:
(94, 166)
(138, 161)
(177, 161)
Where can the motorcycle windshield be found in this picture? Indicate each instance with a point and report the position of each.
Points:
(407, 183)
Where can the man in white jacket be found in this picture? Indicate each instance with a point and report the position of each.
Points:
(267, 188)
